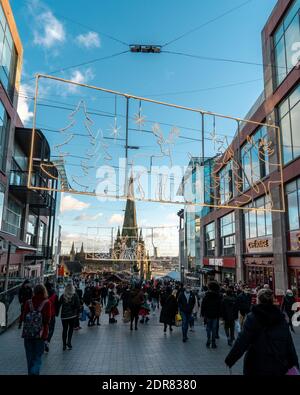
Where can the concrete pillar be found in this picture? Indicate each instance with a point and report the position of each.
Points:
(239, 245)
(279, 246)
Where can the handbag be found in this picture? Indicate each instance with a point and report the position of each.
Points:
(178, 320)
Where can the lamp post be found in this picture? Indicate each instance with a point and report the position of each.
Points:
(7, 267)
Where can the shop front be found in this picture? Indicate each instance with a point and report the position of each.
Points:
(259, 263)
(224, 268)
(293, 261)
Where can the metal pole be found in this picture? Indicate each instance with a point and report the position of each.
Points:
(7, 267)
(202, 137)
(126, 146)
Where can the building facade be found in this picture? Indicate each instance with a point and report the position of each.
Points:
(27, 217)
(254, 246)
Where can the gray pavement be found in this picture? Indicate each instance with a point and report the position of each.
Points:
(114, 349)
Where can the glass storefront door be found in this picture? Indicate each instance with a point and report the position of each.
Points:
(259, 275)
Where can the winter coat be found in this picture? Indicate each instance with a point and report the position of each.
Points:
(46, 313)
(244, 303)
(211, 305)
(25, 293)
(287, 305)
(69, 309)
(136, 298)
(111, 302)
(169, 310)
(184, 305)
(267, 341)
(229, 311)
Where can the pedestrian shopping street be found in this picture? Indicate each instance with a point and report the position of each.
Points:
(114, 349)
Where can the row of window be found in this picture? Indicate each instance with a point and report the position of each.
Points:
(257, 223)
(8, 56)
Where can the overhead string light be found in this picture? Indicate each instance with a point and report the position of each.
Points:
(115, 128)
(139, 118)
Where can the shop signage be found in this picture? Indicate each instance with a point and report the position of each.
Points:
(260, 245)
(216, 262)
(295, 241)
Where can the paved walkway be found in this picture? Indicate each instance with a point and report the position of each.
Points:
(114, 349)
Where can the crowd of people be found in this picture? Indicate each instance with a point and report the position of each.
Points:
(253, 324)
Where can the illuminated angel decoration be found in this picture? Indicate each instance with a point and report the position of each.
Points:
(165, 145)
(139, 118)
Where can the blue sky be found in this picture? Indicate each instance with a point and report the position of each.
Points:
(51, 41)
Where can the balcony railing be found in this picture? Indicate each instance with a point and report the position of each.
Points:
(19, 179)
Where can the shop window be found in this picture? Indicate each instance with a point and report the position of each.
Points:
(210, 236)
(292, 191)
(227, 231)
(287, 33)
(257, 223)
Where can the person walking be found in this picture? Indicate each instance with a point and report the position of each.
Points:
(229, 313)
(36, 317)
(70, 306)
(287, 307)
(266, 340)
(136, 299)
(211, 310)
(186, 303)
(104, 293)
(111, 307)
(125, 298)
(53, 299)
(25, 293)
(169, 311)
(244, 301)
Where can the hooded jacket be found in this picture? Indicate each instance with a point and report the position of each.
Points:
(211, 305)
(267, 341)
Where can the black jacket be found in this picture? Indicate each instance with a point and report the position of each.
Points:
(244, 303)
(184, 305)
(25, 293)
(169, 310)
(211, 305)
(267, 341)
(287, 305)
(229, 311)
(69, 309)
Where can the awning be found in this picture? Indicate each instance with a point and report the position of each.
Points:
(19, 244)
(206, 270)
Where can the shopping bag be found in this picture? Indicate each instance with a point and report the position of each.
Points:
(293, 372)
(126, 317)
(178, 320)
(83, 315)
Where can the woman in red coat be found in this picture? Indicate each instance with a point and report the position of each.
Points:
(35, 331)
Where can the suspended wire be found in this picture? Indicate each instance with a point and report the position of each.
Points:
(94, 30)
(223, 59)
(207, 23)
(52, 72)
(204, 89)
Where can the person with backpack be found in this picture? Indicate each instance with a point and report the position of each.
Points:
(36, 318)
(53, 299)
(266, 340)
(70, 307)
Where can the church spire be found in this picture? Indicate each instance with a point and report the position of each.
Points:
(130, 222)
(72, 252)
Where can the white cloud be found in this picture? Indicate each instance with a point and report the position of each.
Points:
(48, 31)
(23, 103)
(80, 78)
(89, 40)
(86, 217)
(116, 219)
(69, 203)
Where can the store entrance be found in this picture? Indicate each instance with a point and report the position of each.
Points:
(259, 276)
(294, 281)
